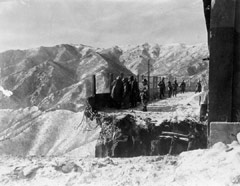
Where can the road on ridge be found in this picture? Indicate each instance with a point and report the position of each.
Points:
(177, 108)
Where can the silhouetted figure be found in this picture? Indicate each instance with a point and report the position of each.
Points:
(198, 87)
(144, 94)
(182, 86)
(170, 88)
(117, 92)
(175, 87)
(134, 91)
(126, 93)
(162, 87)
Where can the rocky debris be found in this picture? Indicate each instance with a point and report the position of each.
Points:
(67, 167)
(30, 170)
(105, 162)
(25, 172)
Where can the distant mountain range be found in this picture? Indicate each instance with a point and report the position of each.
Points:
(179, 60)
(59, 77)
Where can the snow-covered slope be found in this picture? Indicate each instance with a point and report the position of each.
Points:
(29, 131)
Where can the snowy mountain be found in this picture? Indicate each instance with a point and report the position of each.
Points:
(179, 60)
(58, 76)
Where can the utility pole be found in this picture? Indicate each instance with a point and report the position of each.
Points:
(94, 85)
(149, 75)
(148, 67)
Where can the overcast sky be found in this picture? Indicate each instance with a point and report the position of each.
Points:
(99, 23)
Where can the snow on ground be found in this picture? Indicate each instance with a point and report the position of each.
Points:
(175, 108)
(218, 166)
(5, 92)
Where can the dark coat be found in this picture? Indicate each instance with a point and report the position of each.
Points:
(175, 86)
(198, 87)
(183, 85)
(117, 90)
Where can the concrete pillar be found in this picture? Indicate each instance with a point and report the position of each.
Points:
(236, 69)
(221, 60)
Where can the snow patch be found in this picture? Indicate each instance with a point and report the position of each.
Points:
(5, 92)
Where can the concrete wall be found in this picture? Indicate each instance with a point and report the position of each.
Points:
(224, 77)
(223, 132)
(236, 66)
(221, 66)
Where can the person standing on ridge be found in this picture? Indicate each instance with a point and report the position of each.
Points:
(169, 89)
(117, 92)
(126, 93)
(183, 86)
(134, 91)
(175, 87)
(144, 94)
(162, 87)
(198, 87)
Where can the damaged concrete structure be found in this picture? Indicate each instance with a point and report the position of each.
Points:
(122, 137)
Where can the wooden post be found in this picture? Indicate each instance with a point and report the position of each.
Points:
(94, 85)
(156, 85)
(110, 81)
(221, 60)
(153, 85)
(149, 76)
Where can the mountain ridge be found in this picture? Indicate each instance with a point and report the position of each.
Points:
(59, 77)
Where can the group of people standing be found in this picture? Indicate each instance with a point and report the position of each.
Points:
(126, 91)
(172, 88)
